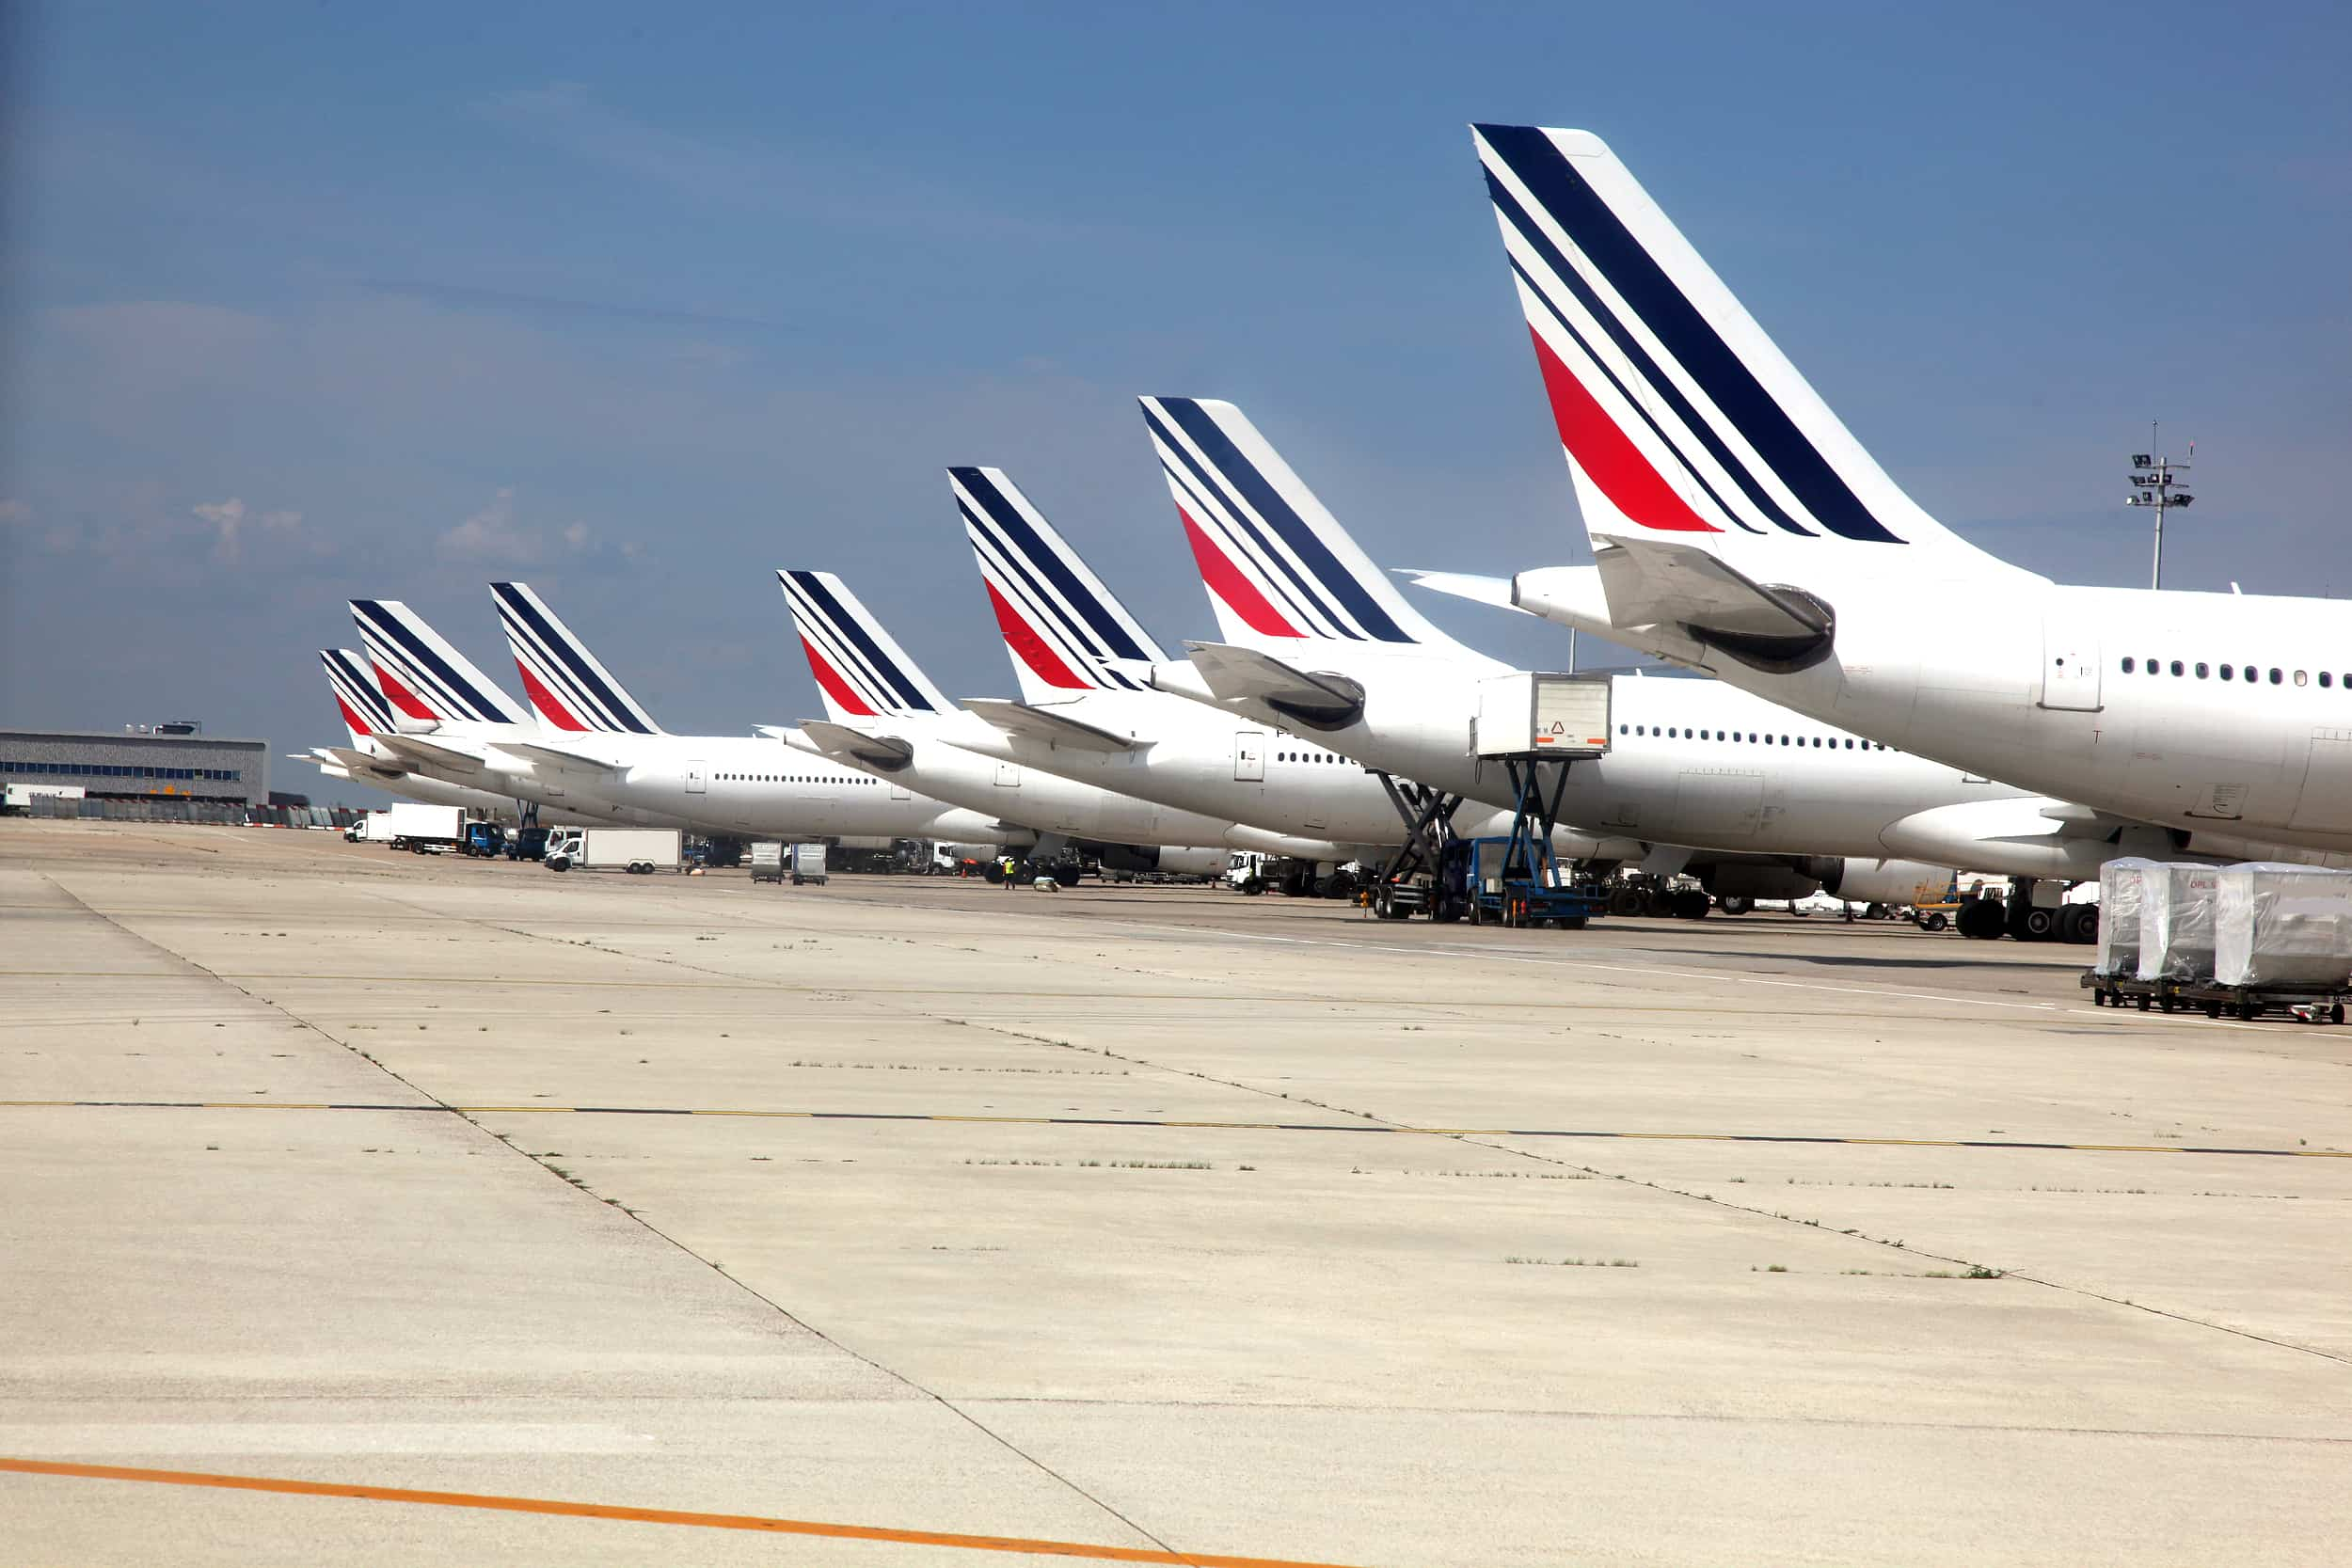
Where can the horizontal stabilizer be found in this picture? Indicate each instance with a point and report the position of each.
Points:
(432, 755)
(1320, 700)
(1649, 582)
(1043, 723)
(885, 751)
(557, 757)
(1463, 585)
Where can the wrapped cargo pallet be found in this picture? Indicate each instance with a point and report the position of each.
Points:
(2119, 916)
(2284, 926)
(2176, 921)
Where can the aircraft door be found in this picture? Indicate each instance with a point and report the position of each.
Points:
(697, 778)
(1249, 756)
(1008, 775)
(2069, 669)
(899, 791)
(2326, 803)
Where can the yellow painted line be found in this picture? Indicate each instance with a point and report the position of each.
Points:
(1355, 1127)
(651, 1515)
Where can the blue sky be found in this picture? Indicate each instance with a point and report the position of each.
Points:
(312, 301)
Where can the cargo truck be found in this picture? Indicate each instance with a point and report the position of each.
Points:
(640, 851)
(408, 825)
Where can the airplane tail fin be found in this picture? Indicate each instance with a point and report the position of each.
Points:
(859, 667)
(1277, 566)
(421, 676)
(569, 688)
(364, 709)
(1062, 626)
(1681, 421)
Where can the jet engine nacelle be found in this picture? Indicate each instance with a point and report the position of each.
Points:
(1182, 861)
(1756, 880)
(1886, 881)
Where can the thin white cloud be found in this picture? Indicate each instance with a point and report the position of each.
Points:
(493, 534)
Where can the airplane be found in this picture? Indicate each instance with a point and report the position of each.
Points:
(1084, 664)
(1754, 800)
(367, 761)
(747, 787)
(885, 716)
(1738, 528)
(454, 723)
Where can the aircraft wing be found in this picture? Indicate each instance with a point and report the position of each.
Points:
(1236, 674)
(1043, 723)
(885, 751)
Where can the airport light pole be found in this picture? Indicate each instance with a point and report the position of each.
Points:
(2153, 484)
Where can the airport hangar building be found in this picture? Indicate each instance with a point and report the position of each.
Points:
(160, 762)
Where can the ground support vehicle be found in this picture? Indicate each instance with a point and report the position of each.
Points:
(640, 851)
(768, 857)
(526, 844)
(808, 864)
(482, 841)
(2310, 1003)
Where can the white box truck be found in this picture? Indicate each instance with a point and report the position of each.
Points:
(425, 829)
(808, 864)
(640, 851)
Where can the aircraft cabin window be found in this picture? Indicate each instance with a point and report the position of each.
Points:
(2203, 669)
(2274, 675)
(2299, 678)
(2127, 664)
(2176, 665)
(2325, 678)
(2226, 671)
(2152, 666)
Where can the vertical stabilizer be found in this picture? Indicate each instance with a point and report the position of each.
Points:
(1681, 421)
(1277, 566)
(859, 667)
(569, 688)
(365, 711)
(425, 678)
(1063, 627)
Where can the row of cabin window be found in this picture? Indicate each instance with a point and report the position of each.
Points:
(1675, 732)
(1306, 757)
(784, 778)
(2252, 672)
(124, 770)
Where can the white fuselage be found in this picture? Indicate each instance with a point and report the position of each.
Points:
(2029, 685)
(738, 787)
(959, 757)
(1697, 764)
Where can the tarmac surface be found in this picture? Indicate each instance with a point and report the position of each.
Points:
(373, 1209)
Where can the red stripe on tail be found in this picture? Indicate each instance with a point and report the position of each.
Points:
(1602, 449)
(351, 722)
(1022, 639)
(401, 697)
(1226, 581)
(835, 688)
(541, 698)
